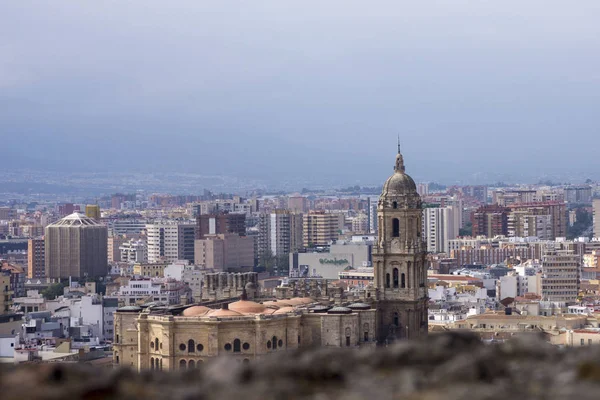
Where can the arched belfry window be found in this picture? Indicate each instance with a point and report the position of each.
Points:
(191, 346)
(387, 280)
(395, 205)
(396, 320)
(396, 277)
(395, 227)
(403, 281)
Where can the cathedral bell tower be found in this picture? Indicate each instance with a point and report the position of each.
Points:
(399, 260)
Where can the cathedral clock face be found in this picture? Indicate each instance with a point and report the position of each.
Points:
(395, 244)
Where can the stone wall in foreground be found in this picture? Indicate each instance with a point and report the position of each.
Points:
(447, 366)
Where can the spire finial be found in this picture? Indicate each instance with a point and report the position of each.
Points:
(399, 167)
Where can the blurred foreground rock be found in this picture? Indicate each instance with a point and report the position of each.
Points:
(447, 366)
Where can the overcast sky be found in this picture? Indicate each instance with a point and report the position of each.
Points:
(284, 90)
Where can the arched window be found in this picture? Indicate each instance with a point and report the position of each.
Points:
(395, 227)
(237, 346)
(366, 331)
(191, 364)
(396, 320)
(387, 280)
(403, 280)
(348, 333)
(395, 277)
(191, 346)
(395, 205)
(161, 364)
(182, 364)
(156, 344)
(152, 363)
(274, 341)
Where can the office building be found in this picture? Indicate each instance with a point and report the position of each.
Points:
(221, 223)
(36, 260)
(76, 246)
(225, 252)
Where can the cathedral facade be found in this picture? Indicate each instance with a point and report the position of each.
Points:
(399, 260)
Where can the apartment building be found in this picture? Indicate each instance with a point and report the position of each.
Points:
(320, 228)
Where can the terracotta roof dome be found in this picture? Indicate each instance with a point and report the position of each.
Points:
(247, 307)
(223, 313)
(285, 310)
(196, 311)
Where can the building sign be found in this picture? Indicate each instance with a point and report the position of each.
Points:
(335, 261)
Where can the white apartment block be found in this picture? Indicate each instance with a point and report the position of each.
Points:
(134, 251)
(140, 291)
(440, 225)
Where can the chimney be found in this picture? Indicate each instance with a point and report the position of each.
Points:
(225, 306)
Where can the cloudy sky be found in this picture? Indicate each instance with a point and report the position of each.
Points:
(283, 90)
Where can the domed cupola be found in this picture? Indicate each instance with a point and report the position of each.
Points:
(400, 190)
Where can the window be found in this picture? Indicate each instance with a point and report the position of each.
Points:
(583, 342)
(182, 347)
(156, 343)
(280, 343)
(387, 280)
(117, 339)
(191, 346)
(269, 344)
(227, 347)
(200, 347)
(117, 360)
(152, 363)
(182, 364)
(366, 338)
(152, 345)
(403, 281)
(395, 277)
(396, 320)
(274, 341)
(395, 227)
(191, 364)
(395, 205)
(246, 346)
(237, 346)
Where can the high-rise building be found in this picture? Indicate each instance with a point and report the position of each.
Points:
(320, 228)
(6, 293)
(279, 233)
(439, 226)
(170, 241)
(36, 260)
(93, 211)
(555, 209)
(113, 251)
(226, 252)
(597, 218)
(560, 276)
(66, 209)
(297, 204)
(76, 246)
(578, 194)
(215, 224)
(7, 213)
(490, 221)
(399, 260)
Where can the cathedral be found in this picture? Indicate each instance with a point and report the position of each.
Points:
(399, 260)
(234, 320)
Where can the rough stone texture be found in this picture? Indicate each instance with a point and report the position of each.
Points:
(448, 366)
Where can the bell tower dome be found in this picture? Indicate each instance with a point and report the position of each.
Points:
(399, 259)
